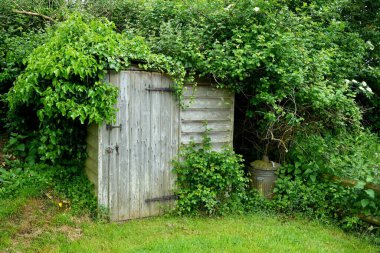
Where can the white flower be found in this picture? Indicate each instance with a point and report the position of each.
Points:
(370, 45)
(354, 81)
(364, 83)
(229, 7)
(256, 9)
(369, 90)
(347, 81)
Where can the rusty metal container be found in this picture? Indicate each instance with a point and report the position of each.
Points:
(263, 176)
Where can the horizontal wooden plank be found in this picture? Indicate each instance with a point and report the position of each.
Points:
(206, 91)
(196, 110)
(93, 130)
(92, 152)
(215, 137)
(218, 146)
(208, 103)
(92, 165)
(91, 176)
(370, 219)
(200, 127)
(351, 182)
(93, 142)
(206, 115)
(92, 135)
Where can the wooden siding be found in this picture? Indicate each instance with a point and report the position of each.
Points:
(133, 164)
(91, 164)
(141, 168)
(206, 105)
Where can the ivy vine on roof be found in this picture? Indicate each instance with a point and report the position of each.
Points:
(64, 77)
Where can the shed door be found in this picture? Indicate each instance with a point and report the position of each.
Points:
(141, 145)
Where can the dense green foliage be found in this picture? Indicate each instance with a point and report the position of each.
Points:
(363, 17)
(63, 82)
(66, 185)
(306, 75)
(209, 182)
(289, 62)
(305, 184)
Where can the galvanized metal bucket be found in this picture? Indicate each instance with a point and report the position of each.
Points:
(263, 176)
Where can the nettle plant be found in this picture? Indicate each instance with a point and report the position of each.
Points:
(63, 84)
(209, 182)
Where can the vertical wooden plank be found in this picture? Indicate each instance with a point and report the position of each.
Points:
(114, 157)
(145, 187)
(155, 144)
(123, 180)
(173, 148)
(130, 184)
(163, 142)
(103, 164)
(150, 155)
(165, 126)
(139, 165)
(134, 128)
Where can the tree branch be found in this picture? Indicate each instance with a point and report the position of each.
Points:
(34, 14)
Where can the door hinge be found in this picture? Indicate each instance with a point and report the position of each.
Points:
(160, 89)
(163, 198)
(110, 127)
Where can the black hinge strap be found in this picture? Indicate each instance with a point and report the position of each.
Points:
(110, 127)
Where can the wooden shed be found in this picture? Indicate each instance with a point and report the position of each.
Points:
(130, 162)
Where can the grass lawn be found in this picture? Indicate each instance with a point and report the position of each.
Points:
(35, 225)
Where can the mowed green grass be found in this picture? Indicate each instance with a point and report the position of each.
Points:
(58, 231)
(251, 233)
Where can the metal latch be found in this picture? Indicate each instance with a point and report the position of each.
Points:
(163, 198)
(110, 149)
(110, 127)
(160, 89)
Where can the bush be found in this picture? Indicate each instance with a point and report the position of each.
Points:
(17, 180)
(209, 182)
(62, 184)
(306, 185)
(63, 89)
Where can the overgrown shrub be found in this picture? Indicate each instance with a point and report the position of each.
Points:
(66, 184)
(306, 184)
(17, 179)
(209, 182)
(63, 85)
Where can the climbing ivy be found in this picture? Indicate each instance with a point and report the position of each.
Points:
(288, 61)
(63, 83)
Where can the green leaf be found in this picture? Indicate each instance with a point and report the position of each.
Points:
(360, 185)
(364, 202)
(20, 147)
(370, 193)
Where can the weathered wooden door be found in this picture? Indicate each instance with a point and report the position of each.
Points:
(137, 180)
